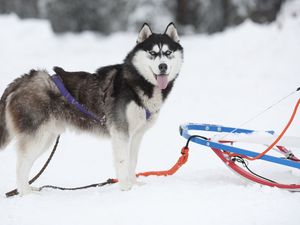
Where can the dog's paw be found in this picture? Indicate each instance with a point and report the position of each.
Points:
(140, 183)
(28, 190)
(134, 181)
(125, 186)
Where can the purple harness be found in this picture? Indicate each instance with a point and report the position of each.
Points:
(70, 99)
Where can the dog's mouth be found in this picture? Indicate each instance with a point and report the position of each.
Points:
(162, 80)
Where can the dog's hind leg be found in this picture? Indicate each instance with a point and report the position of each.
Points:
(29, 149)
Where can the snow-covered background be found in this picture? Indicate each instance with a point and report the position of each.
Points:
(226, 79)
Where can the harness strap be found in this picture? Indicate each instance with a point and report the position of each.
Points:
(148, 114)
(70, 99)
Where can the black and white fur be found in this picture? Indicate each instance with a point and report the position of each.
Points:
(33, 111)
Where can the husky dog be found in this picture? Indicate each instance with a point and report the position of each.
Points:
(127, 97)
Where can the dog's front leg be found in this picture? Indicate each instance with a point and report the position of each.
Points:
(120, 144)
(133, 154)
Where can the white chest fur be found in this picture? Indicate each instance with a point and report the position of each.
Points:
(154, 103)
(136, 115)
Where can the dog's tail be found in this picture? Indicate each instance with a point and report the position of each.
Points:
(4, 134)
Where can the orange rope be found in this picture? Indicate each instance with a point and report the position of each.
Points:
(181, 161)
(277, 139)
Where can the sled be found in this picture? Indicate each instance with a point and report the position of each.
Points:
(222, 141)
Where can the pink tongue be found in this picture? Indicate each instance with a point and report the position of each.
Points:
(162, 81)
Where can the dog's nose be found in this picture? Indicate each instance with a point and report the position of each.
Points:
(163, 67)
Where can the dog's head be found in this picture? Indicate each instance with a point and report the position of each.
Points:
(158, 57)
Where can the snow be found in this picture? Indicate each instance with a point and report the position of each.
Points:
(226, 79)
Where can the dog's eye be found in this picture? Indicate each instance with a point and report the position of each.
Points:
(167, 53)
(152, 53)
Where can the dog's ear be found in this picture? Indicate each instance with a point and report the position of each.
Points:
(145, 32)
(171, 31)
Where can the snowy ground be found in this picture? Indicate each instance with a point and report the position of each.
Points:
(226, 79)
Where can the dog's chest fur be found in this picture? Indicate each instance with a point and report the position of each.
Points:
(152, 103)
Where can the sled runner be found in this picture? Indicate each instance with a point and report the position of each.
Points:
(231, 156)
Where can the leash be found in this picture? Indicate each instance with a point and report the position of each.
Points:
(181, 161)
(15, 191)
(109, 181)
